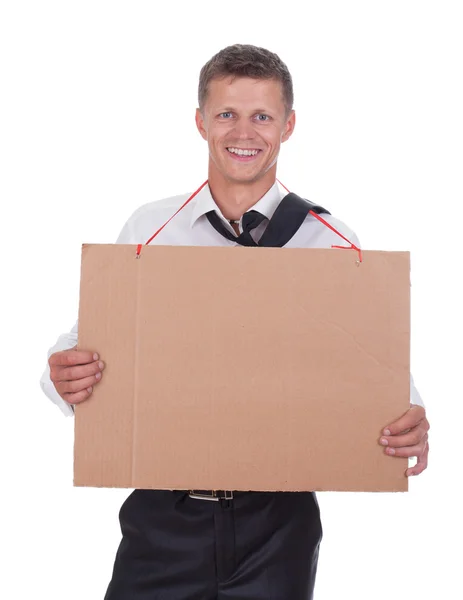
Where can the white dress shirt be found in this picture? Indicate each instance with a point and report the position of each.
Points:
(190, 227)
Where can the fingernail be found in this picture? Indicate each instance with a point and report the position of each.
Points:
(384, 442)
(101, 364)
(390, 450)
(98, 376)
(89, 390)
(386, 432)
(95, 356)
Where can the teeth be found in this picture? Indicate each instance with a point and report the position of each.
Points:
(243, 152)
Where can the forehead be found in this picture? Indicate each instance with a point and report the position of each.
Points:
(245, 92)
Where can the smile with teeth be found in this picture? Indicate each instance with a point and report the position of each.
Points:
(241, 152)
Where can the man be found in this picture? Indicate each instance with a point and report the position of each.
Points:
(180, 545)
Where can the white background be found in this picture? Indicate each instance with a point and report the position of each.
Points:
(97, 117)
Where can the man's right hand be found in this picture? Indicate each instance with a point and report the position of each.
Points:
(74, 373)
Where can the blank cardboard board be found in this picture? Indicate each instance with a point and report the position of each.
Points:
(243, 368)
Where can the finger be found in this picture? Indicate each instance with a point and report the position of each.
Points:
(412, 438)
(67, 358)
(72, 373)
(408, 451)
(409, 420)
(421, 464)
(78, 397)
(72, 387)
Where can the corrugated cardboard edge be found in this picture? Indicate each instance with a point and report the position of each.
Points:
(135, 407)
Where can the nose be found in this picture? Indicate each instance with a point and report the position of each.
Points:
(244, 129)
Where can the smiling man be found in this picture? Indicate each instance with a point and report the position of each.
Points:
(245, 121)
(209, 544)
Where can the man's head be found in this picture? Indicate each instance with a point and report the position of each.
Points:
(245, 112)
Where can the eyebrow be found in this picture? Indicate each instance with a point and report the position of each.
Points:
(256, 110)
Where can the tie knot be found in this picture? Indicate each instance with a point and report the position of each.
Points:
(252, 219)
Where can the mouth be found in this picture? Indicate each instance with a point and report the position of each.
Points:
(243, 154)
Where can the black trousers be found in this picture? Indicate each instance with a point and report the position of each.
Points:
(260, 545)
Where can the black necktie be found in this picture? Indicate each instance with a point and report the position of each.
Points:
(251, 220)
(286, 220)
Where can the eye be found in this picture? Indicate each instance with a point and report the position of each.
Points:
(263, 118)
(225, 115)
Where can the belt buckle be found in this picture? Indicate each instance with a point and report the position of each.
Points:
(212, 496)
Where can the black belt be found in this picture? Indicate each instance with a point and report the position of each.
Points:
(214, 495)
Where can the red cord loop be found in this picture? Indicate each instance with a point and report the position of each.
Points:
(350, 247)
(169, 220)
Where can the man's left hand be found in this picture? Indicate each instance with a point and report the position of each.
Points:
(408, 436)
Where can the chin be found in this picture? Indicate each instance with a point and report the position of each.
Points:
(243, 175)
(251, 178)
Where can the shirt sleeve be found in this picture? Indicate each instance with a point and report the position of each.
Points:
(415, 396)
(66, 341)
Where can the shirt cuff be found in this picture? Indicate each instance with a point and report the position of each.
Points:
(415, 397)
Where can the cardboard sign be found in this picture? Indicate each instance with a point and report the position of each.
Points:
(243, 368)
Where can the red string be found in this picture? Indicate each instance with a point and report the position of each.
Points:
(174, 215)
(351, 247)
(283, 185)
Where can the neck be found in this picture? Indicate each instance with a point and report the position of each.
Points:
(234, 198)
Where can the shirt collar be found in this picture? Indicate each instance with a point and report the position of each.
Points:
(267, 205)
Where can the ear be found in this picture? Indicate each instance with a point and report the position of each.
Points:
(289, 127)
(200, 124)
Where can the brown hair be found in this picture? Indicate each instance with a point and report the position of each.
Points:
(244, 60)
